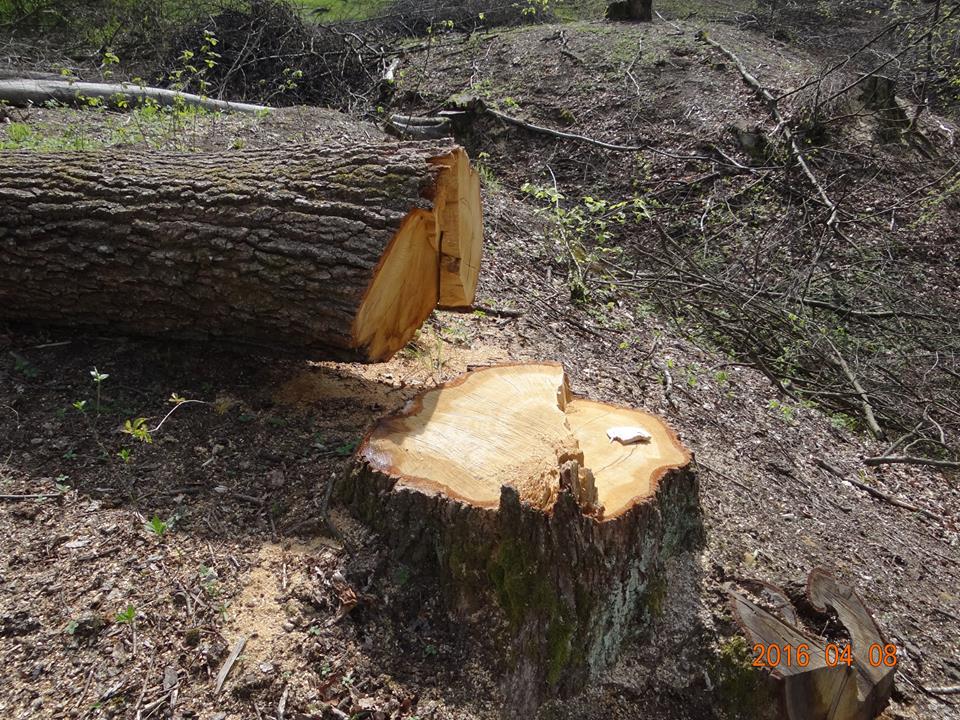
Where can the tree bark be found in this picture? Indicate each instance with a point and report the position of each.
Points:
(641, 10)
(636, 10)
(562, 581)
(334, 251)
(25, 91)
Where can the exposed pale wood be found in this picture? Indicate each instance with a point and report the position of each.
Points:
(815, 690)
(461, 236)
(332, 250)
(516, 425)
(22, 92)
(503, 488)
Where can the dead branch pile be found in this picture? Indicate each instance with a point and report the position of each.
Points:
(269, 54)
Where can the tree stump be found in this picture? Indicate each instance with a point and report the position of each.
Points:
(511, 493)
(337, 251)
(635, 10)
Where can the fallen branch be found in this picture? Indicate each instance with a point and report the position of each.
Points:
(25, 92)
(771, 102)
(879, 494)
(871, 419)
(910, 460)
(509, 119)
(231, 659)
(560, 134)
(671, 24)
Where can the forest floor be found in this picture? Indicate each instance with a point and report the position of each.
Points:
(129, 571)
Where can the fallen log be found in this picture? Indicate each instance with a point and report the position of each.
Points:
(26, 91)
(341, 251)
(548, 514)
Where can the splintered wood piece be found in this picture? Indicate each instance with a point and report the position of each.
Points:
(461, 231)
(502, 490)
(821, 686)
(875, 677)
(338, 251)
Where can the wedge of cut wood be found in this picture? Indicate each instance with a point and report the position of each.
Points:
(504, 487)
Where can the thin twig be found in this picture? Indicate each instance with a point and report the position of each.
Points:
(34, 496)
(177, 405)
(864, 398)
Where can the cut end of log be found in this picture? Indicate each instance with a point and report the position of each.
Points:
(520, 426)
(434, 259)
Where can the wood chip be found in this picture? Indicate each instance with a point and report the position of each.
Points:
(628, 435)
(347, 596)
(225, 670)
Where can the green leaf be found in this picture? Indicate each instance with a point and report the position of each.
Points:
(157, 526)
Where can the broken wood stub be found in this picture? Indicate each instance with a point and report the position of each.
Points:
(503, 488)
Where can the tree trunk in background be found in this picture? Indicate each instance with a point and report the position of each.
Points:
(636, 10)
(641, 10)
(335, 251)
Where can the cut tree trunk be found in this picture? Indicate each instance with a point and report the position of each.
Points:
(336, 251)
(509, 492)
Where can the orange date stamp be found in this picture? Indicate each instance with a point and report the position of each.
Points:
(772, 655)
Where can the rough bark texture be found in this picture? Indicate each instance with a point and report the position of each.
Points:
(637, 10)
(275, 248)
(563, 588)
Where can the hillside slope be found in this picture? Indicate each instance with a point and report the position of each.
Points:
(656, 309)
